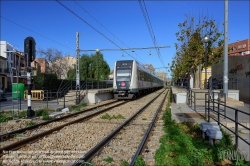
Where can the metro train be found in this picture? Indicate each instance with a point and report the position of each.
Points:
(131, 79)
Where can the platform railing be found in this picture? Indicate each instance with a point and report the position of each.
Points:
(192, 99)
(214, 106)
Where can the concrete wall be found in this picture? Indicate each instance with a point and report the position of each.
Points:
(238, 74)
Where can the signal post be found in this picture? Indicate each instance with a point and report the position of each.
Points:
(30, 55)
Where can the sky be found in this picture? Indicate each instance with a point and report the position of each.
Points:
(114, 25)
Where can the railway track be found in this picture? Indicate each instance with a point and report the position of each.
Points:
(62, 139)
(11, 134)
(131, 138)
(38, 131)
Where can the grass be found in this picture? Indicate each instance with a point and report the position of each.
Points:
(144, 119)
(44, 113)
(203, 118)
(108, 159)
(241, 132)
(182, 145)
(139, 161)
(78, 107)
(86, 163)
(45, 116)
(5, 116)
(107, 116)
(124, 163)
(28, 124)
(19, 135)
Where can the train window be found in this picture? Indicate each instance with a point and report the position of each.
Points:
(123, 75)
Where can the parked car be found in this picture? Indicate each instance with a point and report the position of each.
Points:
(2, 97)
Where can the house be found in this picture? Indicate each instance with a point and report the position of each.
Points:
(10, 59)
(40, 65)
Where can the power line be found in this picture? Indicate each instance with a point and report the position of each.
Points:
(92, 27)
(36, 33)
(150, 28)
(102, 25)
(124, 49)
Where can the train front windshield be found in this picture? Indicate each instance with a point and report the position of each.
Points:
(123, 74)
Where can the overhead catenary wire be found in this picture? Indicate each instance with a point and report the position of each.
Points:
(150, 28)
(36, 33)
(94, 28)
(123, 49)
(104, 27)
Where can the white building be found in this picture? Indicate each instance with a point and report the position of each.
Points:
(63, 65)
(5, 57)
(5, 46)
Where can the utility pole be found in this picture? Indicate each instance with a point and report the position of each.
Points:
(225, 74)
(97, 52)
(77, 69)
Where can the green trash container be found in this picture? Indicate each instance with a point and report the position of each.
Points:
(17, 88)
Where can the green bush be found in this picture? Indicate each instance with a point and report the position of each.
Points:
(45, 81)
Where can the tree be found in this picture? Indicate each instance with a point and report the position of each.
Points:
(92, 67)
(58, 64)
(190, 50)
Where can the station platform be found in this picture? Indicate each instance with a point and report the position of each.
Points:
(181, 112)
(97, 95)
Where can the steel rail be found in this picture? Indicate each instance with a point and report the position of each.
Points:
(92, 152)
(23, 142)
(145, 138)
(9, 135)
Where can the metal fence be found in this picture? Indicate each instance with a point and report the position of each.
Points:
(219, 108)
(192, 99)
(214, 105)
(54, 98)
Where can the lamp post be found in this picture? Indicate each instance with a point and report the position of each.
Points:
(206, 40)
(97, 52)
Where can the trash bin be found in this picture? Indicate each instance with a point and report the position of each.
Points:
(17, 90)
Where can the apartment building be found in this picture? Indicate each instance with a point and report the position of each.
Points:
(9, 63)
(239, 48)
